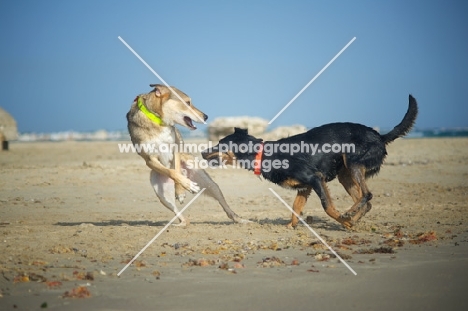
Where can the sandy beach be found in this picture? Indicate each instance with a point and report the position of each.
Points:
(72, 214)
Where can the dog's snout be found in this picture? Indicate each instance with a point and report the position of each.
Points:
(205, 153)
(205, 117)
(209, 153)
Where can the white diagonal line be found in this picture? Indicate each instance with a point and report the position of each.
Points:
(159, 77)
(313, 79)
(161, 231)
(313, 231)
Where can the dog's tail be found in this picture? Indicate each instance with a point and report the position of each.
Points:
(405, 125)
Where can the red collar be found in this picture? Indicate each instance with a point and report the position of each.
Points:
(258, 161)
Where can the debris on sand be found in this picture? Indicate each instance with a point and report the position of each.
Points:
(378, 250)
(270, 262)
(77, 292)
(424, 237)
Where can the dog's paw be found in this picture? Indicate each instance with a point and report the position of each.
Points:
(346, 221)
(179, 193)
(189, 185)
(180, 197)
(240, 220)
(194, 188)
(183, 223)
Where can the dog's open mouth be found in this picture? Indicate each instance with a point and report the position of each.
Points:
(189, 123)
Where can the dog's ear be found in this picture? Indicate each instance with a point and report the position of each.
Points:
(241, 131)
(159, 90)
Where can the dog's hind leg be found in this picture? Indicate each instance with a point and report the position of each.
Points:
(179, 190)
(204, 180)
(320, 187)
(353, 180)
(164, 188)
(298, 205)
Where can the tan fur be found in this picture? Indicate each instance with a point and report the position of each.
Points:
(170, 176)
(171, 110)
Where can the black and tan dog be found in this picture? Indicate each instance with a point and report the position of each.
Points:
(309, 169)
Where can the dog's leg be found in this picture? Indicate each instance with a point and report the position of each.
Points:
(320, 187)
(164, 188)
(202, 179)
(354, 190)
(353, 180)
(345, 179)
(179, 189)
(154, 164)
(298, 205)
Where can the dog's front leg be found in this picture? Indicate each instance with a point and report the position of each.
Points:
(298, 206)
(153, 163)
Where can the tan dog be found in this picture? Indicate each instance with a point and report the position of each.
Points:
(151, 122)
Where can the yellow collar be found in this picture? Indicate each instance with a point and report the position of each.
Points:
(151, 115)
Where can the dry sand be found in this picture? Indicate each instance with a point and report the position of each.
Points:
(73, 213)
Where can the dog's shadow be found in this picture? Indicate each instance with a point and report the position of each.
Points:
(133, 223)
(318, 223)
(112, 222)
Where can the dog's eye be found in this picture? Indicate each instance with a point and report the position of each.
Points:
(189, 103)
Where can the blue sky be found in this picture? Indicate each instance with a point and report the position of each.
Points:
(63, 67)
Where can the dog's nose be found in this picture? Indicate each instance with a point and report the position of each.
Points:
(205, 117)
(208, 151)
(205, 153)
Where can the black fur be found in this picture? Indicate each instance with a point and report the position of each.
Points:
(369, 152)
(305, 171)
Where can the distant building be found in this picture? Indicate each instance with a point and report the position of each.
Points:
(8, 129)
